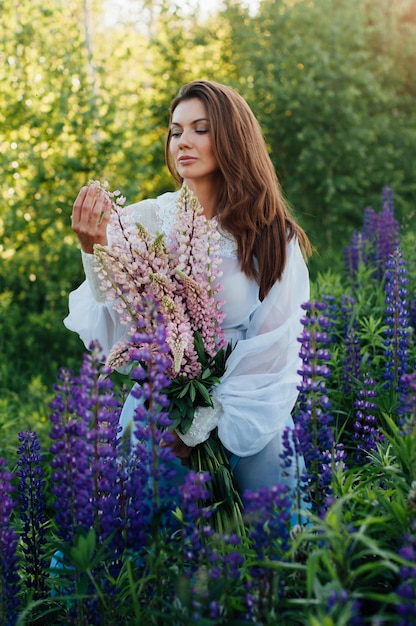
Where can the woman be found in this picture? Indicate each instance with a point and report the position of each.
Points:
(216, 147)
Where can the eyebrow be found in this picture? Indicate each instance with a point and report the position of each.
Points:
(200, 119)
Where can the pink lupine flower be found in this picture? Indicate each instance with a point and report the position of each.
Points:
(180, 272)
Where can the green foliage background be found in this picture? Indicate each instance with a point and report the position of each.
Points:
(332, 82)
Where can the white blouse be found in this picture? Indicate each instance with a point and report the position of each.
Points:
(259, 388)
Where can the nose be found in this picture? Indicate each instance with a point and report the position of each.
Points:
(184, 140)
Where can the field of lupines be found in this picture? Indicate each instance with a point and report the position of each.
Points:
(95, 531)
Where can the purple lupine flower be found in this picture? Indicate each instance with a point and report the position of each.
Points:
(370, 235)
(72, 481)
(381, 232)
(407, 406)
(84, 418)
(353, 255)
(232, 559)
(352, 360)
(210, 568)
(151, 419)
(406, 608)
(211, 571)
(412, 313)
(377, 241)
(267, 513)
(331, 313)
(101, 411)
(148, 481)
(312, 415)
(369, 223)
(122, 492)
(32, 512)
(366, 434)
(149, 487)
(293, 466)
(195, 527)
(408, 396)
(9, 578)
(338, 599)
(360, 249)
(335, 597)
(397, 320)
(194, 492)
(388, 231)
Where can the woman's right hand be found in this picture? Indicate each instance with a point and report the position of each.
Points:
(178, 447)
(90, 216)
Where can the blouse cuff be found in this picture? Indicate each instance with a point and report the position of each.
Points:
(206, 418)
(90, 265)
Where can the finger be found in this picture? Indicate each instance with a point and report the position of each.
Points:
(168, 439)
(93, 203)
(106, 212)
(78, 204)
(91, 213)
(85, 206)
(178, 447)
(90, 216)
(100, 210)
(183, 451)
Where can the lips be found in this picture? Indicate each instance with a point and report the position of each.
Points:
(186, 159)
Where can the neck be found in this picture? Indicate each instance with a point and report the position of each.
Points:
(207, 194)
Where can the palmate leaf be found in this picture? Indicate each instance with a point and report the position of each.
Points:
(197, 385)
(184, 397)
(181, 412)
(186, 394)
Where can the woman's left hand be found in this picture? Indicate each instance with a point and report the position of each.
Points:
(178, 447)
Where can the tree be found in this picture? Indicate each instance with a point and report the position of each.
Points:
(80, 99)
(321, 78)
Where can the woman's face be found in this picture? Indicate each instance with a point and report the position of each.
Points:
(191, 144)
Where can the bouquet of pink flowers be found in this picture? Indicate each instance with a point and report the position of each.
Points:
(180, 273)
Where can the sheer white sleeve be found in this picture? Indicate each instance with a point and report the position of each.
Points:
(89, 263)
(205, 420)
(259, 387)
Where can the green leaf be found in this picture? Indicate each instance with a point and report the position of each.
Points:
(204, 392)
(200, 348)
(206, 373)
(192, 391)
(185, 390)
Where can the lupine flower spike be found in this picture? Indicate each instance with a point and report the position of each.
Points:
(9, 577)
(397, 332)
(312, 416)
(377, 241)
(366, 434)
(32, 512)
(179, 272)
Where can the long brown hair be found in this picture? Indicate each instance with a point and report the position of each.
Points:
(251, 205)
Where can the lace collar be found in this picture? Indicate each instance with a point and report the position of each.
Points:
(166, 211)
